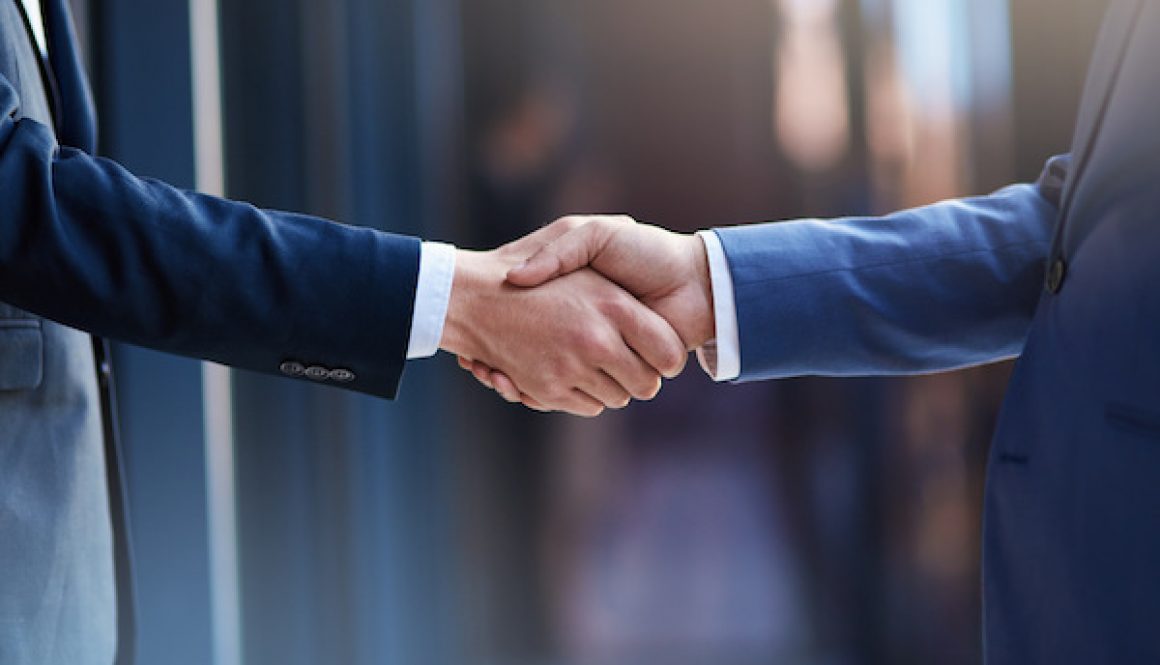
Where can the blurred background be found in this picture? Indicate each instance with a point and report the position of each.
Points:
(809, 521)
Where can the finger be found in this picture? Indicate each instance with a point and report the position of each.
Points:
(574, 401)
(580, 403)
(550, 232)
(522, 248)
(568, 253)
(534, 404)
(604, 389)
(508, 390)
(635, 375)
(480, 366)
(651, 337)
(506, 387)
(482, 373)
(464, 363)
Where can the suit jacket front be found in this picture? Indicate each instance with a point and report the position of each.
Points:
(1062, 274)
(87, 246)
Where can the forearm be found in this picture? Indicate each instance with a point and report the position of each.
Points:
(85, 243)
(937, 288)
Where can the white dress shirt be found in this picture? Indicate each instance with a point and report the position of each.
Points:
(432, 295)
(721, 357)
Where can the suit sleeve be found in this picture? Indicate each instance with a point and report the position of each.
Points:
(937, 288)
(85, 243)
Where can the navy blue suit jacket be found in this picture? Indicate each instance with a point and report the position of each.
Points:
(86, 243)
(1064, 274)
(88, 248)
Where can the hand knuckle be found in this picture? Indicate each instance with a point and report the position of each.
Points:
(617, 307)
(592, 343)
(569, 222)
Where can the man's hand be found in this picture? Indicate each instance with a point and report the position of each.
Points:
(578, 344)
(668, 272)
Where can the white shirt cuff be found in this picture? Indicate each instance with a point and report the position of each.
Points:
(721, 357)
(432, 295)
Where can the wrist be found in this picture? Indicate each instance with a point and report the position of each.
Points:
(473, 275)
(704, 328)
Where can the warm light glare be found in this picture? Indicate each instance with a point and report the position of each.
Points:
(811, 106)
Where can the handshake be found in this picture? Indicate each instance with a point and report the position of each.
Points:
(584, 314)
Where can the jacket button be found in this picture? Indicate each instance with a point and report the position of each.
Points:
(291, 368)
(1055, 275)
(342, 375)
(317, 373)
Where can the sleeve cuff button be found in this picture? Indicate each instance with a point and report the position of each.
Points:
(291, 368)
(317, 373)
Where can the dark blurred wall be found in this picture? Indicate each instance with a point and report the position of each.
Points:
(1051, 44)
(343, 510)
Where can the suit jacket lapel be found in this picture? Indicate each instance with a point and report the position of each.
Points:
(1103, 74)
(76, 116)
(48, 83)
(1101, 79)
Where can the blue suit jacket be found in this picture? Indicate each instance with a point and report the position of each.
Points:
(87, 246)
(85, 243)
(1064, 274)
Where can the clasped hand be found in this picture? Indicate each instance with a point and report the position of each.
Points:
(584, 314)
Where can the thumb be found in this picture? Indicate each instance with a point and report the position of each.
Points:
(543, 266)
(568, 253)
